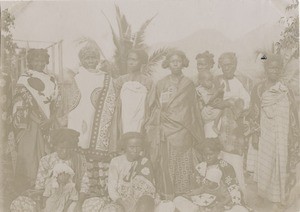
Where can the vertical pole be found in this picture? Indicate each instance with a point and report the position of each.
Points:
(53, 59)
(61, 74)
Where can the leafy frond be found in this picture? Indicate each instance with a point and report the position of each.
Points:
(140, 35)
(154, 59)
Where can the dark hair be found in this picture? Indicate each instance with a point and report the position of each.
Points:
(131, 135)
(207, 56)
(89, 49)
(273, 57)
(67, 137)
(213, 144)
(230, 55)
(166, 62)
(142, 55)
(37, 53)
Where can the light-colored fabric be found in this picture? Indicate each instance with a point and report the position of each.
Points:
(133, 95)
(237, 208)
(42, 87)
(236, 161)
(129, 181)
(81, 118)
(234, 89)
(46, 166)
(94, 204)
(58, 197)
(165, 206)
(23, 204)
(182, 204)
(209, 130)
(208, 113)
(213, 174)
(118, 169)
(273, 143)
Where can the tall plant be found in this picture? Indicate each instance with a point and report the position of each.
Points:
(124, 40)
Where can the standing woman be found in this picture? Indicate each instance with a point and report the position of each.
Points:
(33, 112)
(275, 128)
(132, 91)
(174, 128)
(91, 112)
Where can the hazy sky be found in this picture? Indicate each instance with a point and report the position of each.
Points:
(176, 19)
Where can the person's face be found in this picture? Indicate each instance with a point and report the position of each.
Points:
(63, 178)
(38, 64)
(210, 156)
(63, 152)
(90, 61)
(207, 80)
(176, 64)
(133, 63)
(133, 149)
(228, 67)
(273, 71)
(211, 185)
(202, 65)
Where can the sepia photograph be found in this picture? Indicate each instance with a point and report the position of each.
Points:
(149, 106)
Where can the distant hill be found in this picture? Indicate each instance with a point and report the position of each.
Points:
(214, 41)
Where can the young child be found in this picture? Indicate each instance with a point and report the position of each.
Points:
(60, 193)
(211, 190)
(209, 94)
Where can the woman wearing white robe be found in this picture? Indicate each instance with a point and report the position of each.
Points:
(132, 90)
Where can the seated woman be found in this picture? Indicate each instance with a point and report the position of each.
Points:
(130, 178)
(218, 189)
(64, 142)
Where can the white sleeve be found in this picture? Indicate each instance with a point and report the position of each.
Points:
(113, 180)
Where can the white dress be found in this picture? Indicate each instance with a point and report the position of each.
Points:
(133, 95)
(81, 117)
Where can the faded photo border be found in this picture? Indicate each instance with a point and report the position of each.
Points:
(247, 31)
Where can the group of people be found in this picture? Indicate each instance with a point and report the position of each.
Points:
(132, 145)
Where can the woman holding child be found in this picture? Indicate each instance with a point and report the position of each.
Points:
(234, 103)
(64, 142)
(216, 186)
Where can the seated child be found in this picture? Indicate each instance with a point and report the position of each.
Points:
(212, 190)
(217, 120)
(60, 193)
